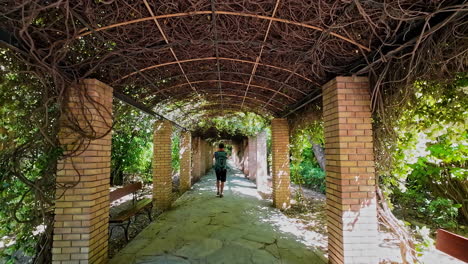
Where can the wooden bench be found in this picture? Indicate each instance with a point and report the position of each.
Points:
(452, 244)
(123, 218)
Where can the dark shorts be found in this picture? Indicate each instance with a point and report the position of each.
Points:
(221, 175)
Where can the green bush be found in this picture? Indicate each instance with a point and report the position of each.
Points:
(175, 148)
(312, 175)
(443, 212)
(428, 183)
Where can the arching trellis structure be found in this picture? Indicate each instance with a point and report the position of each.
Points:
(162, 48)
(260, 54)
(271, 57)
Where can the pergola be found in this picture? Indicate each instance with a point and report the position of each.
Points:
(271, 57)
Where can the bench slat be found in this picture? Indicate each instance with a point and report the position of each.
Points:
(127, 189)
(452, 244)
(127, 214)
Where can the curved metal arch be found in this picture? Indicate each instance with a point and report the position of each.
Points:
(251, 106)
(222, 81)
(228, 106)
(225, 112)
(217, 114)
(213, 89)
(240, 73)
(262, 103)
(212, 58)
(86, 31)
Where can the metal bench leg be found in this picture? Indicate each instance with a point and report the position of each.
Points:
(111, 229)
(149, 214)
(127, 237)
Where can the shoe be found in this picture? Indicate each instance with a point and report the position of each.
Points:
(220, 196)
(217, 194)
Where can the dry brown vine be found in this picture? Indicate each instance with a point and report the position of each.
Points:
(290, 47)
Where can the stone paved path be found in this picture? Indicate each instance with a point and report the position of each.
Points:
(202, 228)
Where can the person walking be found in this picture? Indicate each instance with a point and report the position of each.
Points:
(220, 169)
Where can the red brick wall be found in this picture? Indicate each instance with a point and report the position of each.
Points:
(262, 171)
(185, 161)
(351, 202)
(82, 196)
(280, 162)
(162, 170)
(253, 158)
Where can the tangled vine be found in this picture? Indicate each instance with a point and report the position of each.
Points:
(260, 56)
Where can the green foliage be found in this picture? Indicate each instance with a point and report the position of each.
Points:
(425, 241)
(132, 146)
(312, 175)
(28, 155)
(175, 149)
(304, 166)
(239, 123)
(430, 159)
(443, 212)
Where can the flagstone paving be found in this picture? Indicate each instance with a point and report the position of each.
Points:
(202, 228)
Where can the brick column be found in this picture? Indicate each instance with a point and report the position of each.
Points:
(262, 181)
(213, 150)
(196, 159)
(208, 156)
(351, 202)
(185, 161)
(82, 196)
(252, 158)
(162, 170)
(234, 156)
(280, 162)
(245, 159)
(203, 157)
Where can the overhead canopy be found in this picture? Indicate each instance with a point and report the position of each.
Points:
(262, 56)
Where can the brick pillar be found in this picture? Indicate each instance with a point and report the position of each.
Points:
(213, 149)
(196, 159)
(208, 156)
(185, 161)
(280, 162)
(235, 155)
(202, 157)
(245, 147)
(162, 170)
(82, 196)
(261, 157)
(351, 202)
(253, 158)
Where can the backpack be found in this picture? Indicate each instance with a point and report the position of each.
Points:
(220, 157)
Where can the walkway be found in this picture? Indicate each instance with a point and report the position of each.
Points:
(202, 228)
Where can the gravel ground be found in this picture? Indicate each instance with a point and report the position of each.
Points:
(117, 238)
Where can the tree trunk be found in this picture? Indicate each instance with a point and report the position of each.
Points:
(319, 155)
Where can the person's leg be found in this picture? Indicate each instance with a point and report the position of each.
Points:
(218, 179)
(222, 188)
(223, 179)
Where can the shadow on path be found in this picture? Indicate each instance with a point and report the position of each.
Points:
(202, 228)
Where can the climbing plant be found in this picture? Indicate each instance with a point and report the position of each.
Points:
(238, 123)
(28, 154)
(175, 148)
(305, 167)
(428, 181)
(132, 145)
